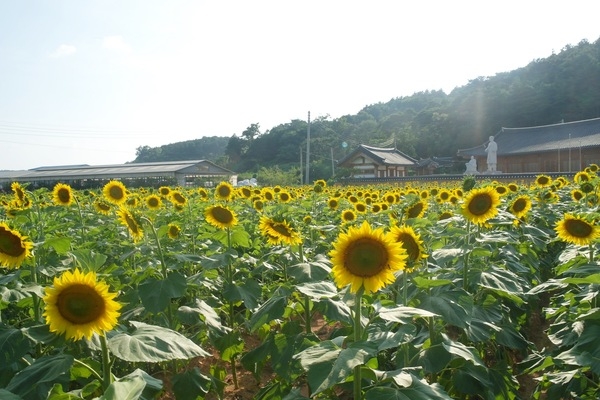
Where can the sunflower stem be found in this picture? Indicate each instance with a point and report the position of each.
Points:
(404, 288)
(357, 337)
(106, 364)
(231, 309)
(466, 258)
(163, 265)
(80, 219)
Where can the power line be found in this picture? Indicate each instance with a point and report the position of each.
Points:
(65, 147)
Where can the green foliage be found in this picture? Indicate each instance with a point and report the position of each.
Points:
(563, 86)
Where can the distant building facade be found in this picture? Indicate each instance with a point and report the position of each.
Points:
(376, 162)
(563, 147)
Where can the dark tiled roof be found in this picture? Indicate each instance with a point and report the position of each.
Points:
(387, 156)
(512, 141)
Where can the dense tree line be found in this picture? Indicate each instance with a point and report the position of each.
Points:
(561, 87)
(206, 148)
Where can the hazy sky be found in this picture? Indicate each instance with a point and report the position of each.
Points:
(89, 81)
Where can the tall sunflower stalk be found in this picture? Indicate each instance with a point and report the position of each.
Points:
(366, 260)
(357, 386)
(163, 265)
(223, 217)
(480, 205)
(78, 306)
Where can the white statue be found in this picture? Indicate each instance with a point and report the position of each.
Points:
(491, 150)
(471, 166)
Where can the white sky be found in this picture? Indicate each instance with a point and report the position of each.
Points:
(87, 82)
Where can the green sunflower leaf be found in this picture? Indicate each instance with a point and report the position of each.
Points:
(157, 294)
(36, 380)
(151, 343)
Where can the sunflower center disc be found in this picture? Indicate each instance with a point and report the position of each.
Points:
(116, 193)
(480, 204)
(222, 215)
(411, 247)
(366, 258)
(10, 244)
(580, 229)
(64, 195)
(519, 205)
(80, 304)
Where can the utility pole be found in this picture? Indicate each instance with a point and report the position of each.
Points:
(308, 151)
(332, 164)
(301, 165)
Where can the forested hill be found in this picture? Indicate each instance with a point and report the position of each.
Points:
(561, 87)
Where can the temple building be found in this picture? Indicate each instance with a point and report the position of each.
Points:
(377, 162)
(562, 147)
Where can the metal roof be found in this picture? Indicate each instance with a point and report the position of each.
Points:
(385, 156)
(513, 141)
(132, 170)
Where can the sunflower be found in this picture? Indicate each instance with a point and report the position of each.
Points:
(173, 231)
(443, 196)
(513, 187)
(132, 224)
(115, 192)
(333, 203)
(416, 210)
(547, 196)
(153, 202)
(360, 207)
(62, 194)
(18, 191)
(220, 217)
(203, 193)
(132, 202)
(258, 205)
(348, 215)
(102, 207)
(411, 242)
(164, 191)
(577, 230)
(520, 206)
(224, 191)
(318, 188)
(577, 195)
(79, 306)
(543, 180)
(321, 182)
(177, 198)
(445, 215)
(502, 190)
(14, 247)
(268, 194)
(245, 192)
(481, 204)
(593, 168)
(284, 196)
(366, 258)
(389, 197)
(581, 177)
(281, 231)
(587, 187)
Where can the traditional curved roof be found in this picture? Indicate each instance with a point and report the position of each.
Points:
(536, 139)
(384, 156)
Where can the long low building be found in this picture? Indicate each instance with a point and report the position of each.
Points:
(182, 173)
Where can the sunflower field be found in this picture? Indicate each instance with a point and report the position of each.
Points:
(468, 290)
